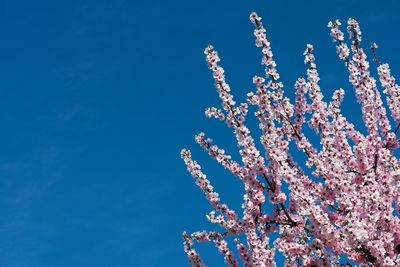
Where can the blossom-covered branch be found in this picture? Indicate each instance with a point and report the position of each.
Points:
(347, 209)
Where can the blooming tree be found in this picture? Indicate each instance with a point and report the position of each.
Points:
(347, 208)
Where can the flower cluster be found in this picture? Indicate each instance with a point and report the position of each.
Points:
(348, 207)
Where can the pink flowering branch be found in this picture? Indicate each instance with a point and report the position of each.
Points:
(351, 210)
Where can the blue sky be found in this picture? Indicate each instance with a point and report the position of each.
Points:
(98, 97)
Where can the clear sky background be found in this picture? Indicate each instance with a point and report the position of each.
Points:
(98, 97)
